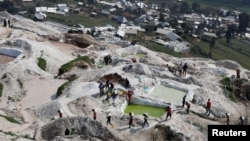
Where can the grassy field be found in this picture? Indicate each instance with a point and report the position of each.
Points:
(80, 19)
(226, 4)
(238, 50)
(68, 66)
(160, 48)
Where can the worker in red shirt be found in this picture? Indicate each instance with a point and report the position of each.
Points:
(130, 93)
(169, 112)
(208, 107)
(60, 114)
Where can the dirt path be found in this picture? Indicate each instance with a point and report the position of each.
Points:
(5, 59)
(39, 91)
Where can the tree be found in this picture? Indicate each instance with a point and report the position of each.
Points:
(243, 22)
(163, 6)
(195, 6)
(228, 35)
(246, 90)
(174, 8)
(162, 17)
(245, 2)
(185, 7)
(8, 6)
(211, 46)
(173, 22)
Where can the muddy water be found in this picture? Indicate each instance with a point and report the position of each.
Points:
(5, 59)
(169, 94)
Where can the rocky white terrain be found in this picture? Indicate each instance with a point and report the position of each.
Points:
(29, 93)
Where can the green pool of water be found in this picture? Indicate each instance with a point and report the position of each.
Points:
(140, 109)
(169, 94)
(140, 55)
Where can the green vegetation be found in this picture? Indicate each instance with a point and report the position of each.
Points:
(65, 85)
(42, 63)
(226, 4)
(68, 66)
(80, 19)
(238, 50)
(140, 55)
(20, 83)
(140, 109)
(1, 89)
(160, 48)
(231, 88)
(27, 136)
(227, 82)
(11, 98)
(10, 119)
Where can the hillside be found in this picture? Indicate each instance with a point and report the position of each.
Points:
(30, 100)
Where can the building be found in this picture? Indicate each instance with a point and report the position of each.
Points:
(121, 19)
(40, 16)
(168, 33)
(105, 12)
(207, 36)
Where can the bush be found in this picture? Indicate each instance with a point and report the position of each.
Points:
(226, 81)
(10, 119)
(68, 66)
(227, 87)
(20, 83)
(11, 98)
(65, 85)
(239, 82)
(61, 88)
(246, 90)
(1, 89)
(42, 63)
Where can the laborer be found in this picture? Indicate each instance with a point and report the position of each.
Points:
(169, 112)
(67, 131)
(242, 120)
(208, 107)
(72, 132)
(130, 93)
(145, 119)
(60, 114)
(228, 119)
(101, 88)
(127, 83)
(94, 114)
(109, 120)
(184, 69)
(114, 95)
(180, 70)
(183, 101)
(131, 119)
(188, 107)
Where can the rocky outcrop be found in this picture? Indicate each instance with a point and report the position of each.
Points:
(81, 40)
(169, 134)
(229, 64)
(83, 126)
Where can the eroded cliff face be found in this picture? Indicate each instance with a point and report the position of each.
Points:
(88, 129)
(83, 126)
